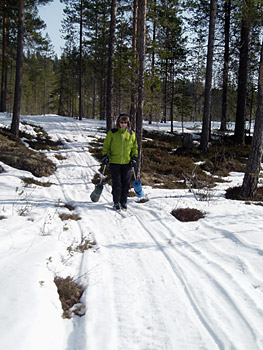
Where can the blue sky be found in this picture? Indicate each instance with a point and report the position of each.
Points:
(52, 15)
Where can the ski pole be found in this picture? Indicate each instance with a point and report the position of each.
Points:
(102, 174)
(134, 173)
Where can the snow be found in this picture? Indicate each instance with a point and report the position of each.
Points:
(151, 282)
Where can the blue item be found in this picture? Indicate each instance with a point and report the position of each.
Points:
(137, 185)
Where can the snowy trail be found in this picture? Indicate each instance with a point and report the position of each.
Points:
(155, 283)
(143, 288)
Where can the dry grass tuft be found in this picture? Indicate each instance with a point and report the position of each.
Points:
(70, 294)
(30, 181)
(69, 206)
(74, 217)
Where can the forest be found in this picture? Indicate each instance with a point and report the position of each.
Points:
(156, 60)
(175, 58)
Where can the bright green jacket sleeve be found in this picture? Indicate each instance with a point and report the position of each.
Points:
(120, 145)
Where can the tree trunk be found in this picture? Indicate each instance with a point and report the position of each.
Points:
(141, 55)
(208, 79)
(251, 177)
(19, 62)
(172, 101)
(242, 82)
(4, 66)
(80, 59)
(226, 65)
(109, 108)
(165, 92)
(134, 60)
(153, 65)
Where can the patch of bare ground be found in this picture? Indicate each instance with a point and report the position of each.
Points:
(14, 153)
(187, 214)
(234, 193)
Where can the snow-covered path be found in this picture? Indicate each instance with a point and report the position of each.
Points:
(153, 282)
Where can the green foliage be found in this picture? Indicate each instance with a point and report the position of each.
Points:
(175, 59)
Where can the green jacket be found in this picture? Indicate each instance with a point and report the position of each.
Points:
(120, 145)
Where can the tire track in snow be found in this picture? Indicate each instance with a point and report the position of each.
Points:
(179, 274)
(67, 182)
(144, 324)
(210, 276)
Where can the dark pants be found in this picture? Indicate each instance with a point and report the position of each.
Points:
(121, 177)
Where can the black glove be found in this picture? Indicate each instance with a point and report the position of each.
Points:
(105, 159)
(133, 161)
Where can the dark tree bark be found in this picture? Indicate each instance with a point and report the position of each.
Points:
(172, 101)
(134, 60)
(251, 177)
(141, 55)
(226, 65)
(19, 62)
(165, 92)
(153, 66)
(109, 108)
(4, 66)
(208, 79)
(242, 82)
(80, 59)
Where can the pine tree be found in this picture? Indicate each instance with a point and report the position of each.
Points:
(18, 82)
(227, 10)
(208, 81)
(253, 167)
(112, 39)
(141, 56)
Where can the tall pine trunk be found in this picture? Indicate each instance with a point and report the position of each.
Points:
(19, 63)
(80, 59)
(4, 65)
(242, 82)
(141, 55)
(208, 79)
(153, 65)
(251, 177)
(109, 108)
(226, 65)
(134, 64)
